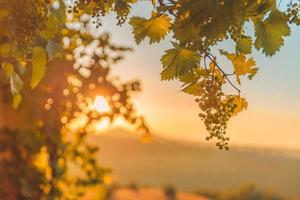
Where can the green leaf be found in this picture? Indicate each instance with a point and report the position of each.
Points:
(54, 50)
(242, 65)
(193, 76)
(16, 84)
(270, 32)
(188, 77)
(39, 60)
(156, 28)
(244, 45)
(16, 101)
(194, 88)
(178, 61)
(51, 28)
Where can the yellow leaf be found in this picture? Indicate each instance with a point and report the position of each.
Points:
(39, 61)
(156, 28)
(242, 65)
(240, 103)
(16, 101)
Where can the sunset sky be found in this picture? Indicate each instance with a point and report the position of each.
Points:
(273, 116)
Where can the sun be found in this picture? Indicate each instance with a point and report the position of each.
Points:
(101, 125)
(100, 104)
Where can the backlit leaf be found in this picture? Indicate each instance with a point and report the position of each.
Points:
(178, 61)
(269, 33)
(244, 45)
(240, 103)
(242, 65)
(155, 28)
(16, 101)
(194, 88)
(39, 60)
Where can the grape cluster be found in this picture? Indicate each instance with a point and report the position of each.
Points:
(217, 108)
(293, 13)
(122, 9)
(216, 118)
(101, 8)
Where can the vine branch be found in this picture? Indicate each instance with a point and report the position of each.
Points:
(213, 59)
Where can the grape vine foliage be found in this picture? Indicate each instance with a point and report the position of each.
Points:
(34, 32)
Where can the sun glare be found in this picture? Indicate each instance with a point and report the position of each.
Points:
(101, 105)
(98, 126)
(101, 125)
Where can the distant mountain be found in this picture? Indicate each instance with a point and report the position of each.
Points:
(189, 166)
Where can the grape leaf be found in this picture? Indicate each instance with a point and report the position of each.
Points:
(242, 65)
(269, 33)
(194, 88)
(240, 103)
(244, 45)
(156, 28)
(16, 101)
(178, 61)
(39, 60)
(193, 76)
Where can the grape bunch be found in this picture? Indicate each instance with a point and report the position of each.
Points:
(293, 13)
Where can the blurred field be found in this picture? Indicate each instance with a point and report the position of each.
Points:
(192, 167)
(151, 194)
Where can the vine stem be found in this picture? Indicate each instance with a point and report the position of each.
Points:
(212, 59)
(279, 3)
